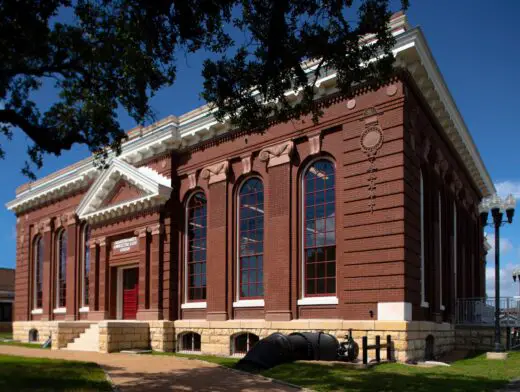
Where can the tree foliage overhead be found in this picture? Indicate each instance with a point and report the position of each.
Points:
(102, 55)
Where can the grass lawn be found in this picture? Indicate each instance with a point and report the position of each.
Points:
(475, 374)
(20, 344)
(6, 335)
(40, 374)
(469, 375)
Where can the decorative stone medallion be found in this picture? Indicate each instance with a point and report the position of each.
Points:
(371, 140)
(351, 104)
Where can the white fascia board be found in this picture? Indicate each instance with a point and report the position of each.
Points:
(59, 182)
(415, 38)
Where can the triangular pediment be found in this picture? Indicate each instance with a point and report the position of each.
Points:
(123, 189)
(122, 192)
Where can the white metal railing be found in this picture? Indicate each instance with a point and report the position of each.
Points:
(481, 311)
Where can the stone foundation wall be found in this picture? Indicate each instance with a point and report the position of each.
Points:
(123, 335)
(64, 332)
(477, 338)
(409, 338)
(21, 330)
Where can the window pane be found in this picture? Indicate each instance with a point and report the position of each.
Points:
(196, 246)
(320, 228)
(251, 237)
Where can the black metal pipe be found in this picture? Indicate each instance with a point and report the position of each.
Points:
(378, 348)
(388, 347)
(497, 220)
(365, 350)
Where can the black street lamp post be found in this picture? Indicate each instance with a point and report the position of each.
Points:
(497, 206)
(516, 275)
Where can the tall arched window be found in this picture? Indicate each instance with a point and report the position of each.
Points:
(86, 265)
(196, 212)
(251, 239)
(38, 272)
(61, 270)
(319, 229)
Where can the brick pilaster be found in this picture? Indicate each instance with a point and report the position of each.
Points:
(216, 266)
(48, 292)
(72, 268)
(144, 271)
(277, 268)
(101, 312)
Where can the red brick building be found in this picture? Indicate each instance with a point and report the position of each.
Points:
(210, 237)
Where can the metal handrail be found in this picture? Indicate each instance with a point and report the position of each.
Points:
(481, 311)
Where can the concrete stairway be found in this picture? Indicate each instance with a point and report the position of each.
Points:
(87, 341)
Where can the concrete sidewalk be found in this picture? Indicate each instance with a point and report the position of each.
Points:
(160, 373)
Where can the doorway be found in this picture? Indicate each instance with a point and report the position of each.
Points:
(128, 293)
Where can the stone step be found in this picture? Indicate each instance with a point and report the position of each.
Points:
(87, 341)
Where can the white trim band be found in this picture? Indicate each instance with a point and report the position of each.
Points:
(394, 311)
(84, 309)
(60, 311)
(194, 305)
(318, 301)
(248, 303)
(37, 311)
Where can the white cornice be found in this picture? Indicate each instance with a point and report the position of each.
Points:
(411, 51)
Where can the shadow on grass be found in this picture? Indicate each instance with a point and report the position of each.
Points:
(40, 374)
(391, 377)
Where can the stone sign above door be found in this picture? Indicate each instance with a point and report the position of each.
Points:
(125, 245)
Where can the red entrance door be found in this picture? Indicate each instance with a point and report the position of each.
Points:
(130, 291)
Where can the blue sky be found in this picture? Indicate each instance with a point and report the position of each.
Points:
(476, 47)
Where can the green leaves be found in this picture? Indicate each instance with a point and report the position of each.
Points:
(105, 55)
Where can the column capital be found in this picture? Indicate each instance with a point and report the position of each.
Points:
(192, 180)
(314, 139)
(102, 241)
(156, 229)
(141, 232)
(277, 154)
(246, 163)
(215, 173)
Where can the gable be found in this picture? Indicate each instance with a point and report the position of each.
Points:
(122, 191)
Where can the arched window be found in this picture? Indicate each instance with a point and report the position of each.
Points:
(190, 341)
(196, 226)
(319, 229)
(86, 265)
(61, 270)
(251, 239)
(243, 342)
(38, 272)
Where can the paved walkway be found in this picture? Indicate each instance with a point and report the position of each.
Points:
(132, 373)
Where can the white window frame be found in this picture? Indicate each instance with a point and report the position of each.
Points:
(318, 300)
(187, 303)
(57, 308)
(424, 304)
(182, 350)
(84, 308)
(233, 346)
(245, 303)
(35, 256)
